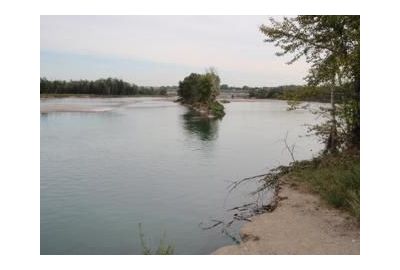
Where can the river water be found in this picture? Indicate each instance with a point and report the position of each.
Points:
(109, 164)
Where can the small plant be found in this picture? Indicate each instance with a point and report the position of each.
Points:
(162, 249)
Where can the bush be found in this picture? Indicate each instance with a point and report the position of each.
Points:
(217, 109)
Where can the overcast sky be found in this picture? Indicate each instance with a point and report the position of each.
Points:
(161, 50)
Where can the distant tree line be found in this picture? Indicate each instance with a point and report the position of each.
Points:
(284, 92)
(279, 92)
(297, 92)
(109, 86)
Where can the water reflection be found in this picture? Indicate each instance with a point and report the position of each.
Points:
(206, 129)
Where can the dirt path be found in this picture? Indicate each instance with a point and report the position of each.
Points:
(301, 224)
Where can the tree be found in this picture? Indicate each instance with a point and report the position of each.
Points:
(200, 92)
(224, 87)
(331, 44)
(201, 88)
(188, 88)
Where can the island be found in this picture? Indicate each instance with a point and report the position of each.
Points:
(199, 93)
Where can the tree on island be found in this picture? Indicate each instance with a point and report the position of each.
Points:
(199, 92)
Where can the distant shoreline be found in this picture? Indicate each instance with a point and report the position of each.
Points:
(168, 97)
(65, 107)
(45, 96)
(221, 98)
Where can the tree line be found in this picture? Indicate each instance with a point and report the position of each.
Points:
(290, 92)
(285, 92)
(116, 87)
(109, 86)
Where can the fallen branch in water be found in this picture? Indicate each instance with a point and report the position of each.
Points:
(216, 223)
(224, 229)
(269, 182)
(235, 184)
(240, 208)
(290, 149)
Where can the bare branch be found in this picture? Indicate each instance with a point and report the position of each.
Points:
(289, 148)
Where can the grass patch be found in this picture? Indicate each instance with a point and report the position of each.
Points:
(162, 249)
(335, 177)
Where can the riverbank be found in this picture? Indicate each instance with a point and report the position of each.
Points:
(317, 211)
(301, 224)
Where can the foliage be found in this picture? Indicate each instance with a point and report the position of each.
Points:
(292, 93)
(108, 86)
(299, 93)
(217, 109)
(309, 93)
(331, 44)
(200, 91)
(224, 86)
(188, 88)
(266, 93)
(335, 177)
(162, 249)
(199, 87)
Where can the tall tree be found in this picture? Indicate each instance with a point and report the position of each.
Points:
(331, 44)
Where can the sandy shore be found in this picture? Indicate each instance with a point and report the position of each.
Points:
(301, 224)
(93, 104)
(71, 108)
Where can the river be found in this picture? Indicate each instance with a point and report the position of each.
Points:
(108, 164)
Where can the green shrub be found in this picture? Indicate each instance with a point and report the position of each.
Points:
(217, 109)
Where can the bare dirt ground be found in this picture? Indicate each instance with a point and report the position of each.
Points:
(301, 224)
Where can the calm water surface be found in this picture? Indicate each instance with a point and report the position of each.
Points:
(114, 163)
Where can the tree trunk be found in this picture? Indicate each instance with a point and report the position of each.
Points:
(355, 132)
(332, 142)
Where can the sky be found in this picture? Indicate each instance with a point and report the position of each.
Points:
(162, 50)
